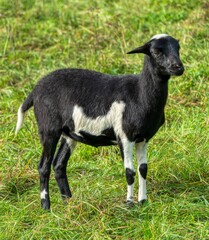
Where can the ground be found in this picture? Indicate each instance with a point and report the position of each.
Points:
(40, 36)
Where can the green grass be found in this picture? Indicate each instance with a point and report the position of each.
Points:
(37, 37)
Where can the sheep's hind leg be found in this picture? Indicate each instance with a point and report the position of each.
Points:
(60, 164)
(126, 148)
(49, 146)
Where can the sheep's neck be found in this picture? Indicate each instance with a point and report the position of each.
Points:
(150, 71)
(153, 85)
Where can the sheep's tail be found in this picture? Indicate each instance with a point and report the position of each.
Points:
(28, 103)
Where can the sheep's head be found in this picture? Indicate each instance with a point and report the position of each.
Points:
(163, 52)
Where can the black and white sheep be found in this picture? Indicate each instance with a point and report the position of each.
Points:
(77, 105)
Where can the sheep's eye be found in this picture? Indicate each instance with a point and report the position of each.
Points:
(156, 51)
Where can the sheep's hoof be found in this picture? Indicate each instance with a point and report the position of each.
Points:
(45, 204)
(129, 204)
(66, 199)
(142, 202)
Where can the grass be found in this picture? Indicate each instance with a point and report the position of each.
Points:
(40, 36)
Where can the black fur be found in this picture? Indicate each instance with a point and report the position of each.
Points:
(121, 148)
(143, 170)
(144, 96)
(130, 174)
(60, 165)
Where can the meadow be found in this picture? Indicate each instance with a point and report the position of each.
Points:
(37, 37)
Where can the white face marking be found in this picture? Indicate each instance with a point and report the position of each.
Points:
(43, 194)
(113, 119)
(158, 36)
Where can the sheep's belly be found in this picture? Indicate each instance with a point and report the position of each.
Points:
(94, 140)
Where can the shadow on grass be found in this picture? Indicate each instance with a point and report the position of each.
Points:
(14, 187)
(194, 192)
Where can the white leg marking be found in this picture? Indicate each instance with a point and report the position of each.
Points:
(128, 153)
(128, 163)
(43, 194)
(141, 149)
(130, 193)
(20, 118)
(71, 143)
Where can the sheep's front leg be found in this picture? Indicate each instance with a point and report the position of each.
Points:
(126, 148)
(141, 149)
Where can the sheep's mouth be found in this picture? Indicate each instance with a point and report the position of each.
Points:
(177, 72)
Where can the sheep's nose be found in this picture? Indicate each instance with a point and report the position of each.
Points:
(177, 65)
(176, 68)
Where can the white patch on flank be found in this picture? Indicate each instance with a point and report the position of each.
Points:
(141, 151)
(20, 118)
(158, 36)
(43, 194)
(95, 126)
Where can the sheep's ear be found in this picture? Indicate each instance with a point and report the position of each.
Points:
(143, 49)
